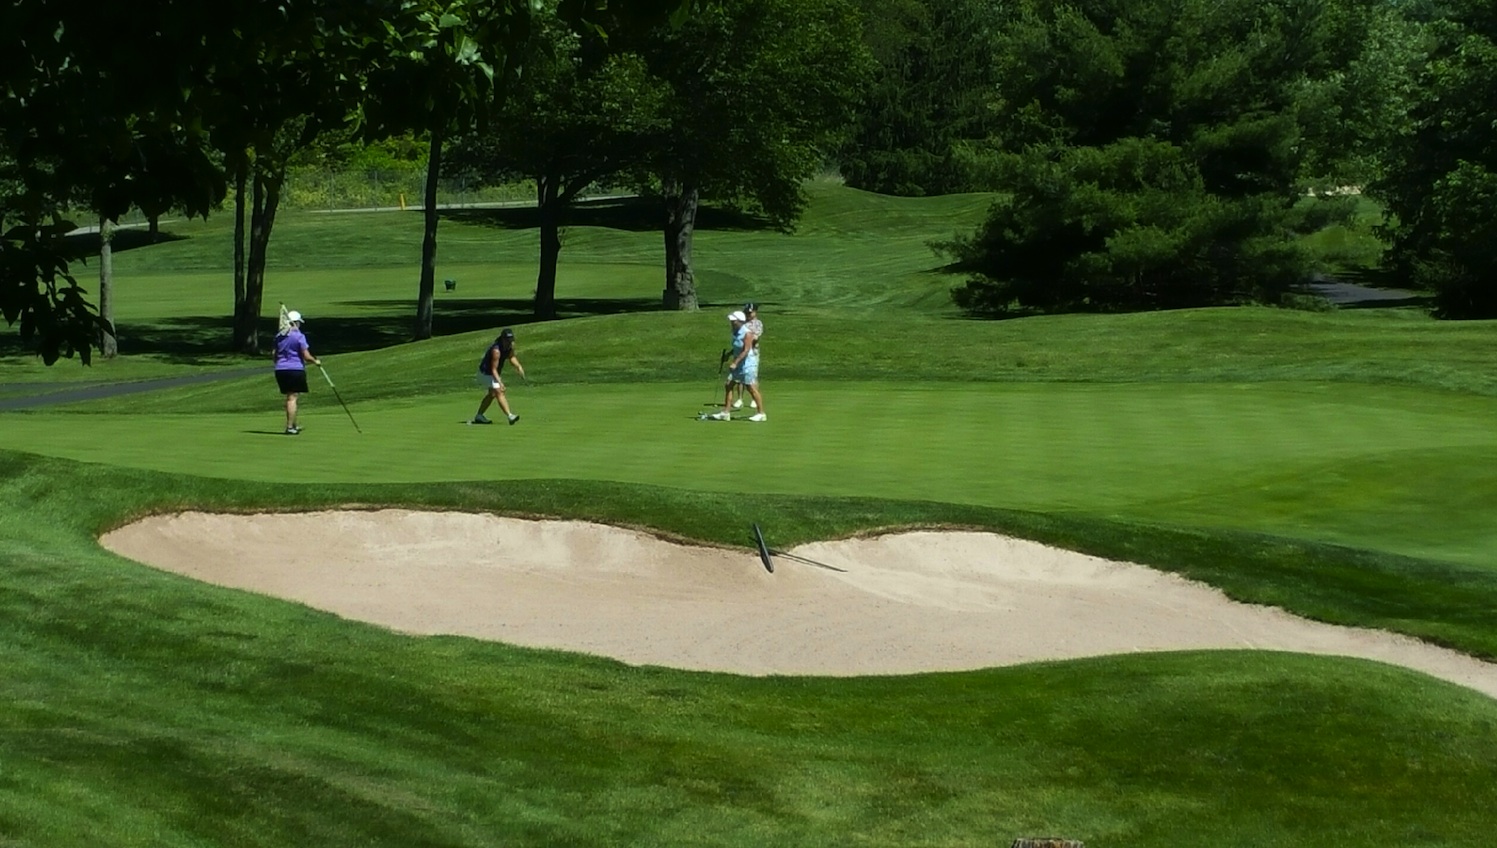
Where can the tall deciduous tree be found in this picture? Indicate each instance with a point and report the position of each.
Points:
(98, 102)
(760, 92)
(442, 69)
(285, 74)
(581, 113)
(109, 343)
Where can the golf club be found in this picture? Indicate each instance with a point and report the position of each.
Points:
(339, 397)
(721, 361)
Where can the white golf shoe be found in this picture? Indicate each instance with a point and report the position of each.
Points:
(759, 417)
(738, 404)
(720, 416)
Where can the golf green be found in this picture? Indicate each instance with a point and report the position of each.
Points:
(1279, 458)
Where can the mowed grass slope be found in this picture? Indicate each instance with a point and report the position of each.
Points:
(1252, 419)
(1337, 464)
(145, 709)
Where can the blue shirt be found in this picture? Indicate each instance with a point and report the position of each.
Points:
(739, 337)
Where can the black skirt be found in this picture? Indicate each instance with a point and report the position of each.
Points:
(291, 381)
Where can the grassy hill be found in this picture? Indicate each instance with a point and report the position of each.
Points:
(1338, 464)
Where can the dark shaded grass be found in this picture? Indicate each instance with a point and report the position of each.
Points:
(190, 340)
(84, 247)
(633, 214)
(181, 339)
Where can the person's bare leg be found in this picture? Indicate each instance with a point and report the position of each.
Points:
(503, 403)
(291, 411)
(488, 398)
(758, 399)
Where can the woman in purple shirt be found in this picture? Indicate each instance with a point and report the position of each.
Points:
(291, 358)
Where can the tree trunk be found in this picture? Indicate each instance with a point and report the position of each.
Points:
(267, 197)
(548, 203)
(680, 224)
(428, 289)
(238, 243)
(109, 345)
(153, 228)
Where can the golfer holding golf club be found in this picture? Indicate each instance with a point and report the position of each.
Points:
(500, 352)
(291, 358)
(756, 329)
(745, 370)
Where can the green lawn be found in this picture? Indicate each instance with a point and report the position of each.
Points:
(1338, 464)
(1289, 459)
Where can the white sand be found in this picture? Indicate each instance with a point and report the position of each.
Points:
(908, 602)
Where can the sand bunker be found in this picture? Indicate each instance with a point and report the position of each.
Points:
(903, 603)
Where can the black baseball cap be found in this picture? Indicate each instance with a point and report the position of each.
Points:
(507, 333)
(751, 307)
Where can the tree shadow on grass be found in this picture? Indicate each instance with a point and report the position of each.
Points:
(202, 339)
(633, 214)
(86, 245)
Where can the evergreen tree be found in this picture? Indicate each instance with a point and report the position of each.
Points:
(1153, 154)
(935, 74)
(1440, 186)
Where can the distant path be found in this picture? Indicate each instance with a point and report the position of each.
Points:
(1352, 294)
(43, 394)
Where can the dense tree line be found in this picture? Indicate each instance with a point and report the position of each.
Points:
(1439, 179)
(1145, 154)
(740, 102)
(930, 100)
(166, 106)
(1160, 154)
(1154, 155)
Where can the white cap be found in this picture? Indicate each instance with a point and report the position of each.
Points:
(293, 316)
(737, 316)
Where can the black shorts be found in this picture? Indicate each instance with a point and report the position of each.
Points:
(291, 381)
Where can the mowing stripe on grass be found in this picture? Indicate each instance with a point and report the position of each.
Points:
(1154, 452)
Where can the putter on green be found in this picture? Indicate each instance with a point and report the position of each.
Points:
(721, 361)
(339, 397)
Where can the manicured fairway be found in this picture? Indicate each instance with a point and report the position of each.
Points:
(1340, 465)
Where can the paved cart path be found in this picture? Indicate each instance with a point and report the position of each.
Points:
(32, 395)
